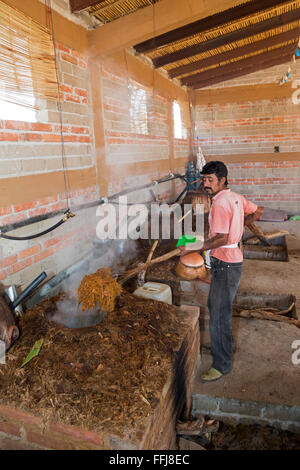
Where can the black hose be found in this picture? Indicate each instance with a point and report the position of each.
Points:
(30, 237)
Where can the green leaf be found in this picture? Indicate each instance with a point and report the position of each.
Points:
(34, 351)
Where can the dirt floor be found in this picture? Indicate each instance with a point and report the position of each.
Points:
(232, 436)
(109, 375)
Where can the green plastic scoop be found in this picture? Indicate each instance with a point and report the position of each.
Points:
(185, 239)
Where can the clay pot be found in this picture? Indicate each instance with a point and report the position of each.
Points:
(191, 266)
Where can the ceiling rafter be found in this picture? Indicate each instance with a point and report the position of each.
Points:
(228, 38)
(239, 73)
(77, 5)
(241, 64)
(200, 26)
(235, 53)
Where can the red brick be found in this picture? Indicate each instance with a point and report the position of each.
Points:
(80, 130)
(11, 219)
(70, 59)
(43, 255)
(63, 48)
(65, 129)
(76, 432)
(66, 89)
(8, 261)
(84, 139)
(57, 207)
(29, 251)
(9, 428)
(20, 415)
(24, 207)
(52, 242)
(5, 211)
(32, 137)
(81, 92)
(70, 138)
(8, 136)
(36, 212)
(15, 268)
(74, 99)
(17, 125)
(51, 137)
(36, 126)
(49, 442)
(47, 200)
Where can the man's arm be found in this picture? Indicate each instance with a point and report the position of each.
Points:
(250, 218)
(218, 240)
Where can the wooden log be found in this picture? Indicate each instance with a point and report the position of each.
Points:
(140, 268)
(268, 236)
(258, 232)
(143, 274)
(264, 315)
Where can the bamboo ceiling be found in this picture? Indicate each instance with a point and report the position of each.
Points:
(246, 38)
(110, 10)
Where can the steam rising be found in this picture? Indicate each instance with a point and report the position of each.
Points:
(114, 254)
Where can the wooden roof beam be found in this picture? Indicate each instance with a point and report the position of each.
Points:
(213, 21)
(228, 38)
(241, 72)
(233, 54)
(78, 5)
(165, 15)
(240, 64)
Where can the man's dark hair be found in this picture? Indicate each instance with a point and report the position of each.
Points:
(217, 168)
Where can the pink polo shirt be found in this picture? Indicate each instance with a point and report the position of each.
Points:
(227, 216)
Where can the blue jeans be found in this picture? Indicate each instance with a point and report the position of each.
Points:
(224, 284)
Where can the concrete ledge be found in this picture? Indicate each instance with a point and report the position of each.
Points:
(248, 412)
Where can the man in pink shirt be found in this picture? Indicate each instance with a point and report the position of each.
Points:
(229, 212)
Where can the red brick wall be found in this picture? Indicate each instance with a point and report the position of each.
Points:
(35, 148)
(44, 253)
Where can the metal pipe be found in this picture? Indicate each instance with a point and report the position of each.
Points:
(41, 218)
(29, 289)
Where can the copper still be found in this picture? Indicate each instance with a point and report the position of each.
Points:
(191, 266)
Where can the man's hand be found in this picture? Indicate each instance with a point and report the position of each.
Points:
(249, 219)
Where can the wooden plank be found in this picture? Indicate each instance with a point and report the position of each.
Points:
(19, 190)
(213, 21)
(255, 157)
(239, 65)
(238, 52)
(239, 94)
(139, 26)
(77, 5)
(228, 38)
(242, 72)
